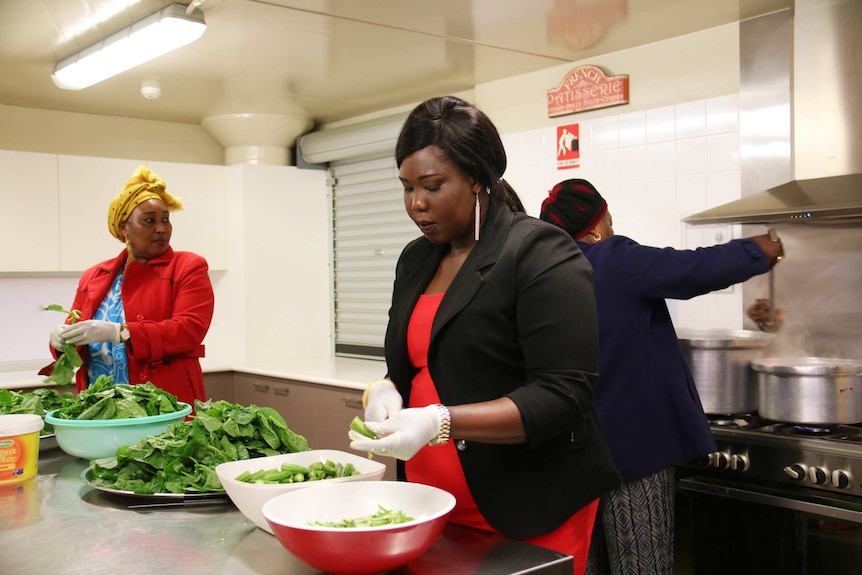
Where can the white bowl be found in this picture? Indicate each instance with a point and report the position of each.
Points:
(250, 497)
(359, 550)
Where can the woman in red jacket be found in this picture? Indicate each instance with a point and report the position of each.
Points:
(145, 312)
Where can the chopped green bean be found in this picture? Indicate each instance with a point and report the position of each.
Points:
(382, 517)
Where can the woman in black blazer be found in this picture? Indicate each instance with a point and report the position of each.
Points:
(491, 345)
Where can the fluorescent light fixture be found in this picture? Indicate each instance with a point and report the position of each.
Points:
(157, 34)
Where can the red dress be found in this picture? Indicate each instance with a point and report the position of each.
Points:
(439, 466)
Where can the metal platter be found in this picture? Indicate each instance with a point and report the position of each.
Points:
(210, 497)
(48, 442)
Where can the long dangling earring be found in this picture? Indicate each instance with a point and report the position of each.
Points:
(477, 221)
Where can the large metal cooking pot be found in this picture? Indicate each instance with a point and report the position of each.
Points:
(810, 390)
(719, 360)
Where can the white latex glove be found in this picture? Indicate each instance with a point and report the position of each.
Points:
(57, 340)
(402, 435)
(92, 331)
(383, 401)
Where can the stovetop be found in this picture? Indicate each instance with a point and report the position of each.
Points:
(752, 424)
(818, 457)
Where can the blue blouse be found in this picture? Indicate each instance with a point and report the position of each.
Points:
(108, 358)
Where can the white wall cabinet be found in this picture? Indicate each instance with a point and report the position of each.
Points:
(87, 187)
(30, 234)
(200, 226)
(56, 210)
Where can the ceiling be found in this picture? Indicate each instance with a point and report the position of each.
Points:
(334, 59)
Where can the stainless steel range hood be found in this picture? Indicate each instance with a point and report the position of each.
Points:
(836, 198)
(800, 117)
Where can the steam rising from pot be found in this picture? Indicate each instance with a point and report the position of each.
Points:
(819, 285)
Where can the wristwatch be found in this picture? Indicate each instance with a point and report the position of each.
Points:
(124, 333)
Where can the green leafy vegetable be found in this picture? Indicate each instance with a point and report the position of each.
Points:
(292, 473)
(382, 517)
(38, 402)
(63, 371)
(104, 400)
(359, 426)
(183, 458)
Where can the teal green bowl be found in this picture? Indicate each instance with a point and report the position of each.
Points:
(98, 438)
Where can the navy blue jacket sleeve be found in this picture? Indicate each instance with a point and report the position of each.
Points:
(684, 274)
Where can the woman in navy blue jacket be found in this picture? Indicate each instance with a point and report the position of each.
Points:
(645, 396)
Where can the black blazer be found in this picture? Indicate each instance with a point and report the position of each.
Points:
(518, 320)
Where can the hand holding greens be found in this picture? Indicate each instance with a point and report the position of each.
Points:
(63, 372)
(359, 427)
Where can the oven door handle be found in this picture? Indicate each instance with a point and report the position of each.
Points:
(835, 508)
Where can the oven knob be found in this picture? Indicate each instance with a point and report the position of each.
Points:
(719, 459)
(841, 479)
(796, 471)
(817, 475)
(739, 463)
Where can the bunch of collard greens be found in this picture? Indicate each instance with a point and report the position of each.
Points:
(104, 400)
(183, 458)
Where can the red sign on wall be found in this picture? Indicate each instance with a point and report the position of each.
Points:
(568, 147)
(587, 88)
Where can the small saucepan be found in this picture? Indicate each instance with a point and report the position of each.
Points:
(809, 390)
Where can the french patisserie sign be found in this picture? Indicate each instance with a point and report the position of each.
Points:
(587, 88)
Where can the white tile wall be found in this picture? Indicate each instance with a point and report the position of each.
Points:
(653, 167)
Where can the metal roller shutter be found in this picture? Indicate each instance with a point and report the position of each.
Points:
(370, 228)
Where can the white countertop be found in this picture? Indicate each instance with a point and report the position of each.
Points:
(347, 372)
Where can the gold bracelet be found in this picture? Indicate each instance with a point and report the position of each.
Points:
(368, 389)
(445, 426)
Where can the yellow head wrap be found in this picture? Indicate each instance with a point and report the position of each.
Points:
(142, 186)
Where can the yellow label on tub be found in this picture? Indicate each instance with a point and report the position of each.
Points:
(18, 455)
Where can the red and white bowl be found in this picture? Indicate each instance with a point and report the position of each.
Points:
(359, 550)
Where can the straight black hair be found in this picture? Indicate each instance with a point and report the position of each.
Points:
(467, 137)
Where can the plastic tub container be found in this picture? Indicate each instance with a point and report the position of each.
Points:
(19, 446)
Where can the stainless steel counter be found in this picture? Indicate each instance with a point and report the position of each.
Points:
(54, 523)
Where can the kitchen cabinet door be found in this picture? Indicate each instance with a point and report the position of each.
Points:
(87, 186)
(30, 233)
(252, 390)
(294, 402)
(297, 404)
(219, 386)
(200, 227)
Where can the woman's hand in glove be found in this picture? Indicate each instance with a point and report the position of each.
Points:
(402, 435)
(57, 340)
(382, 400)
(92, 331)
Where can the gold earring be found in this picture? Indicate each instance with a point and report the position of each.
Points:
(596, 236)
